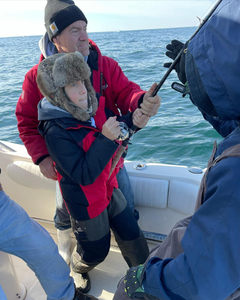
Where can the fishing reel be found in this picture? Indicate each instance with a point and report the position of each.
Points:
(124, 132)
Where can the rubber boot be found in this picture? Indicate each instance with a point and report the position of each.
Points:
(82, 281)
(134, 252)
(79, 272)
(80, 296)
(64, 243)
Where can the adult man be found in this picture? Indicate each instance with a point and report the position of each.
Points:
(199, 258)
(66, 28)
(25, 238)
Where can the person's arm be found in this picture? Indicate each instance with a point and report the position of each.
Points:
(72, 161)
(127, 95)
(209, 267)
(27, 117)
(123, 92)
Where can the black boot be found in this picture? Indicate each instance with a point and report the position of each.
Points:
(82, 281)
(80, 296)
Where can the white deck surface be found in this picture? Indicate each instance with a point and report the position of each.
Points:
(104, 278)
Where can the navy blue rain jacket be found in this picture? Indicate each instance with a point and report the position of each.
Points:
(209, 267)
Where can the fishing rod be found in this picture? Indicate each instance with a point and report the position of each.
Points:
(204, 21)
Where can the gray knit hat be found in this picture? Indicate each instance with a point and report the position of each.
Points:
(59, 14)
(59, 70)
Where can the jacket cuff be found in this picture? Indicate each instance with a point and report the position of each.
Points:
(111, 144)
(41, 159)
(127, 119)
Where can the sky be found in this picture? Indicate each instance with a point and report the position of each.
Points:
(24, 18)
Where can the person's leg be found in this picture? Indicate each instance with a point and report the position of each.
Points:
(2, 295)
(129, 236)
(125, 187)
(63, 225)
(93, 243)
(25, 238)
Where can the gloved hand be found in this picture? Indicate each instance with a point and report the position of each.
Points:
(174, 48)
(133, 282)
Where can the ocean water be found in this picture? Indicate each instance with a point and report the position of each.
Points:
(177, 135)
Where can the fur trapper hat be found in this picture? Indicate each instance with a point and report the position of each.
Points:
(59, 70)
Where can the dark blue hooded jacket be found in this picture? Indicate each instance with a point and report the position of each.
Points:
(209, 267)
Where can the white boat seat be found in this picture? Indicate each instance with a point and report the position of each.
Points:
(181, 195)
(27, 174)
(150, 192)
(159, 193)
(161, 203)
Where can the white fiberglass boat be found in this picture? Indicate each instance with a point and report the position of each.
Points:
(163, 195)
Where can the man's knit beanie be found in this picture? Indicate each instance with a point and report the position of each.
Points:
(62, 69)
(59, 14)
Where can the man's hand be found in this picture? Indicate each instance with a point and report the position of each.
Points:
(139, 120)
(111, 128)
(150, 105)
(47, 168)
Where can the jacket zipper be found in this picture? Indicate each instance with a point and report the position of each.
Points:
(101, 80)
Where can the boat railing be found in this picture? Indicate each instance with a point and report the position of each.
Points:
(7, 147)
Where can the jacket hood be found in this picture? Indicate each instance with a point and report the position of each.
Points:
(47, 111)
(46, 46)
(55, 115)
(213, 63)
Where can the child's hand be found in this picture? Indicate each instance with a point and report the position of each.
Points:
(111, 129)
(139, 119)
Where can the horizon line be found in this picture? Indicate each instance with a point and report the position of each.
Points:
(14, 36)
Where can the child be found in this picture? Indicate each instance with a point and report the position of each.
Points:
(80, 134)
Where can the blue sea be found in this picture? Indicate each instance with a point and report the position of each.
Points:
(178, 134)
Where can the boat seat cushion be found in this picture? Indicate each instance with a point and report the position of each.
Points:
(27, 174)
(160, 193)
(181, 195)
(150, 192)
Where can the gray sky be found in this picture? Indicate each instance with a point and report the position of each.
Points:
(18, 18)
